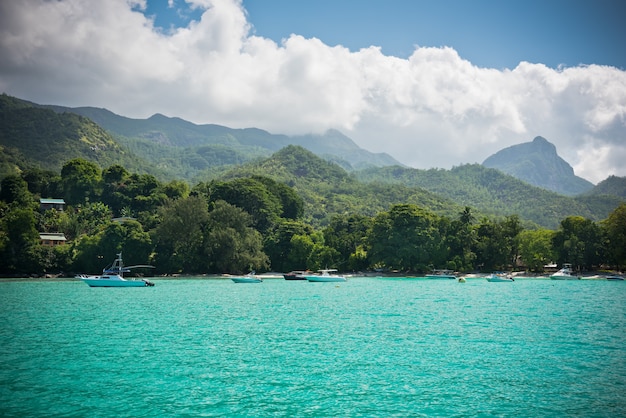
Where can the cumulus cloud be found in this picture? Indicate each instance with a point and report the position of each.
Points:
(432, 109)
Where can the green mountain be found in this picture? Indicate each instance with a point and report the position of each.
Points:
(494, 192)
(246, 144)
(36, 137)
(327, 189)
(538, 163)
(612, 186)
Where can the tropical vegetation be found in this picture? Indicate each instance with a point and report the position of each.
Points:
(249, 221)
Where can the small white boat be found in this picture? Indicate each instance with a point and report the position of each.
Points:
(565, 273)
(442, 275)
(326, 276)
(616, 277)
(499, 277)
(248, 278)
(113, 276)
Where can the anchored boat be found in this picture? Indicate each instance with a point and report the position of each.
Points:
(113, 276)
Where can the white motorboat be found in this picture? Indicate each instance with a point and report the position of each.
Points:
(113, 276)
(442, 275)
(565, 273)
(616, 277)
(325, 276)
(248, 278)
(500, 277)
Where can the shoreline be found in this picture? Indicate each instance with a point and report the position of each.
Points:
(278, 276)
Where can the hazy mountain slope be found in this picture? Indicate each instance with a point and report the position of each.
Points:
(180, 133)
(538, 163)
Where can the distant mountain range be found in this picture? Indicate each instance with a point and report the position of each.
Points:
(46, 137)
(249, 142)
(537, 163)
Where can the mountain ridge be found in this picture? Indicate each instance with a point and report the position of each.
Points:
(177, 132)
(538, 163)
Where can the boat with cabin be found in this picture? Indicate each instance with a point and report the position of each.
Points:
(248, 278)
(113, 276)
(326, 275)
(565, 273)
(499, 276)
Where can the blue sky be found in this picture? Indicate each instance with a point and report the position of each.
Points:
(432, 83)
(489, 33)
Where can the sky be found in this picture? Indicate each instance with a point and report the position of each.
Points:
(435, 84)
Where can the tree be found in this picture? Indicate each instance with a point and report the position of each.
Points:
(292, 204)
(19, 238)
(278, 245)
(615, 230)
(406, 237)
(13, 189)
(461, 240)
(81, 181)
(180, 236)
(231, 244)
(252, 196)
(579, 242)
(93, 253)
(347, 234)
(492, 247)
(535, 248)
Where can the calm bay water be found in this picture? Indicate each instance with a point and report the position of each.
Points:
(367, 347)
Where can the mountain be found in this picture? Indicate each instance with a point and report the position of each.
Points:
(612, 186)
(36, 137)
(491, 191)
(329, 190)
(538, 163)
(249, 142)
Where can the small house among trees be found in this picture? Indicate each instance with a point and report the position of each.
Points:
(45, 204)
(52, 239)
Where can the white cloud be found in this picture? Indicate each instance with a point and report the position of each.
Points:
(434, 109)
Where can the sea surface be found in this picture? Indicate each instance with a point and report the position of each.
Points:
(369, 347)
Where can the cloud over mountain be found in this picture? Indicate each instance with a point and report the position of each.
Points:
(432, 109)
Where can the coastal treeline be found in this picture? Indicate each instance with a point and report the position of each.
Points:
(257, 223)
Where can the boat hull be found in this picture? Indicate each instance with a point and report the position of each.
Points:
(441, 277)
(499, 279)
(96, 282)
(324, 279)
(246, 280)
(294, 276)
(559, 277)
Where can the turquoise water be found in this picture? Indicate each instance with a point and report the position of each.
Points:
(367, 347)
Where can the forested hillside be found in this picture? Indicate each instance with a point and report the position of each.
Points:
(36, 137)
(328, 190)
(611, 186)
(205, 143)
(320, 217)
(494, 192)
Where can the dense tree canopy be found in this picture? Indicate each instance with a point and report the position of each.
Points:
(257, 223)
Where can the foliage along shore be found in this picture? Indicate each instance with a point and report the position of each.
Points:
(257, 223)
